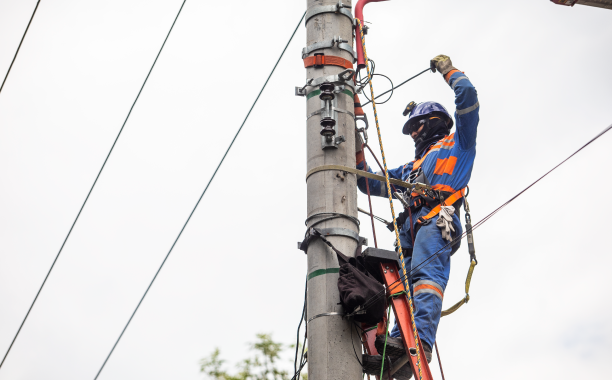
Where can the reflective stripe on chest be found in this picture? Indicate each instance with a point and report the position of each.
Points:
(443, 166)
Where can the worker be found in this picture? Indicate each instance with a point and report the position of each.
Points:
(444, 161)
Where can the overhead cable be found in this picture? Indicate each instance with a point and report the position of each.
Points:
(201, 196)
(90, 190)
(17, 52)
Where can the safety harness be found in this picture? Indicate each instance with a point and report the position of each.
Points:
(430, 197)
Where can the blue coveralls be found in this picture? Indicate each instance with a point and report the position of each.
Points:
(448, 166)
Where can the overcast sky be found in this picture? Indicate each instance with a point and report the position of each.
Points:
(540, 299)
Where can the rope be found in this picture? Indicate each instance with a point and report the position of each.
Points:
(407, 185)
(465, 300)
(401, 254)
(200, 199)
(91, 189)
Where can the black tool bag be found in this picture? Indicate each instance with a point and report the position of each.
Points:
(361, 295)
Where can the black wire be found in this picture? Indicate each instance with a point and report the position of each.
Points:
(297, 344)
(332, 215)
(296, 375)
(201, 196)
(364, 81)
(15, 57)
(353, 344)
(433, 256)
(90, 190)
(398, 86)
(302, 359)
(370, 100)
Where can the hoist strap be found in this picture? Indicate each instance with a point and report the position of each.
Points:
(416, 186)
(330, 60)
(468, 280)
(447, 202)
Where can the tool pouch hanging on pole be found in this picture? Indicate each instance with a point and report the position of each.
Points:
(361, 294)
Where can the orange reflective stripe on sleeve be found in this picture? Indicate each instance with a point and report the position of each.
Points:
(445, 166)
(449, 74)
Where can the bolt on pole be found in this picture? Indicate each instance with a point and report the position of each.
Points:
(330, 137)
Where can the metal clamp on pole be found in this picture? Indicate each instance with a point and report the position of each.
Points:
(343, 232)
(338, 8)
(330, 314)
(336, 41)
(344, 78)
(334, 109)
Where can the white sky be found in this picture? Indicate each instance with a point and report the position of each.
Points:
(540, 303)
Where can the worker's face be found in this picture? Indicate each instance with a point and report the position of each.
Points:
(416, 133)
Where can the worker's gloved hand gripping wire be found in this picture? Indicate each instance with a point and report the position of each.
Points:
(401, 254)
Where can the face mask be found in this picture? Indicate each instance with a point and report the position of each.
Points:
(433, 130)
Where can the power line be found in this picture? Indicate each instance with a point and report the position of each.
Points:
(17, 52)
(90, 190)
(198, 202)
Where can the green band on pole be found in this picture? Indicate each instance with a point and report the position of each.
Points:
(320, 272)
(317, 92)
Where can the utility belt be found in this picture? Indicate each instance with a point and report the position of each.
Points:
(432, 199)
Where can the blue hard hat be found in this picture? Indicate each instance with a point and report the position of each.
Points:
(427, 109)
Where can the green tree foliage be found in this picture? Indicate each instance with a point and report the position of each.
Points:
(263, 365)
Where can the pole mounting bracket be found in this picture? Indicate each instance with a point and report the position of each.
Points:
(335, 231)
(336, 41)
(338, 8)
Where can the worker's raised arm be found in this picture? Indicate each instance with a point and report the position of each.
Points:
(466, 100)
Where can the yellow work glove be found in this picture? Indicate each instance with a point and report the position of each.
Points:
(442, 63)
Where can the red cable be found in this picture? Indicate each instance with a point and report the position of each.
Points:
(370, 202)
(439, 361)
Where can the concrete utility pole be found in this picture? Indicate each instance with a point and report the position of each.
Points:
(330, 339)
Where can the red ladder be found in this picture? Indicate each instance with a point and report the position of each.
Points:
(387, 262)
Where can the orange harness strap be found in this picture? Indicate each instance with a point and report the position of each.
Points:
(436, 210)
(320, 60)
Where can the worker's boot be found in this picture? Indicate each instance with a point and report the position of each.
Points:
(372, 364)
(395, 347)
